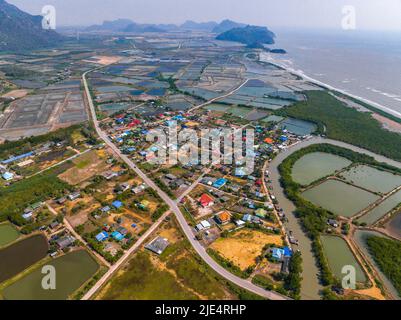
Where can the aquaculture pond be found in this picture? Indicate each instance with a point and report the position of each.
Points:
(317, 165)
(361, 237)
(338, 255)
(394, 226)
(340, 198)
(8, 234)
(298, 127)
(372, 179)
(72, 271)
(111, 108)
(382, 209)
(21, 255)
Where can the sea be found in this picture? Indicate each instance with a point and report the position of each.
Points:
(365, 64)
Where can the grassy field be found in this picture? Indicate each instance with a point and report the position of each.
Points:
(176, 274)
(8, 234)
(346, 124)
(85, 167)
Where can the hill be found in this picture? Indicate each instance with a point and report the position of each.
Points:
(227, 25)
(142, 28)
(21, 31)
(249, 35)
(198, 26)
(115, 25)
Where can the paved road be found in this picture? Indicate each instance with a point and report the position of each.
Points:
(310, 283)
(180, 217)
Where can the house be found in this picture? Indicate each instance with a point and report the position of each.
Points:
(333, 223)
(206, 201)
(203, 225)
(74, 196)
(261, 213)
(157, 245)
(234, 188)
(223, 217)
(124, 187)
(65, 242)
(105, 209)
(117, 236)
(144, 204)
(117, 204)
(102, 236)
(28, 215)
(54, 225)
(219, 183)
(108, 175)
(8, 176)
(239, 223)
(170, 177)
(61, 200)
(139, 189)
(285, 266)
(278, 254)
(208, 181)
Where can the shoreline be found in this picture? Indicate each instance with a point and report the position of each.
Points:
(264, 57)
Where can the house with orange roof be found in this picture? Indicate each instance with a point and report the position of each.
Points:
(269, 140)
(223, 217)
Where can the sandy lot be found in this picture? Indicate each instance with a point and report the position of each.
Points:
(105, 60)
(387, 123)
(16, 94)
(243, 247)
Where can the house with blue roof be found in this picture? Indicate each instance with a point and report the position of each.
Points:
(219, 183)
(278, 254)
(8, 176)
(117, 204)
(287, 252)
(117, 236)
(102, 236)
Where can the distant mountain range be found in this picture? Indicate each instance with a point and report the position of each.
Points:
(253, 36)
(22, 31)
(126, 25)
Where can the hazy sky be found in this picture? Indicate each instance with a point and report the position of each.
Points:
(370, 14)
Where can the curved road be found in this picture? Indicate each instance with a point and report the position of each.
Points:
(180, 217)
(310, 283)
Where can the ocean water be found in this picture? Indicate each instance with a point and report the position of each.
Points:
(361, 63)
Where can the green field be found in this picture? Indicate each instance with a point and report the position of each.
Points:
(72, 271)
(317, 165)
(8, 234)
(340, 198)
(142, 281)
(339, 255)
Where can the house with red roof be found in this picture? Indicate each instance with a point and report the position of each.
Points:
(206, 201)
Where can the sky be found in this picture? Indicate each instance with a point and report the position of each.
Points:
(370, 14)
